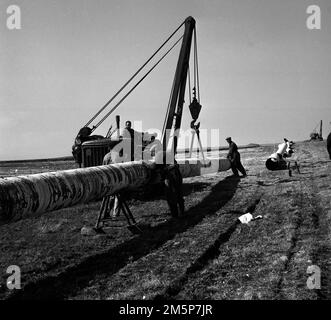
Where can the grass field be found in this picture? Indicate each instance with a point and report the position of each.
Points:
(205, 254)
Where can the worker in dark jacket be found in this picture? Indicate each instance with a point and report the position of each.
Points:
(129, 135)
(234, 157)
(328, 144)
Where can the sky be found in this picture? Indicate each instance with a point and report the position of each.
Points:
(263, 74)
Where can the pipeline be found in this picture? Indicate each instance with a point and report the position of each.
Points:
(25, 196)
(276, 160)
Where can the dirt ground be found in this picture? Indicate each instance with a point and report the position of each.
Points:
(206, 254)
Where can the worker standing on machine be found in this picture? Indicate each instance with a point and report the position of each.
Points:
(133, 142)
(128, 135)
(234, 157)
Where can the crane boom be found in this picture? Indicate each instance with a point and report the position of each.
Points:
(177, 95)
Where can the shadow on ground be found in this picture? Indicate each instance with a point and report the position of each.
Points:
(156, 191)
(108, 263)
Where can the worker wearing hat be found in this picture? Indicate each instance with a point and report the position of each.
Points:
(234, 157)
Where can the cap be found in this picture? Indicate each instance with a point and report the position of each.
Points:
(228, 138)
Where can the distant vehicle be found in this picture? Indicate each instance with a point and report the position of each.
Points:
(317, 135)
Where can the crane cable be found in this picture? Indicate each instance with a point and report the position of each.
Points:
(195, 71)
(196, 67)
(195, 80)
(132, 77)
(150, 70)
(196, 84)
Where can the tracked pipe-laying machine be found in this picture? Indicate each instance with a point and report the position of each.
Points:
(25, 196)
(89, 150)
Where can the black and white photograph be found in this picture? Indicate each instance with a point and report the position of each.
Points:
(165, 156)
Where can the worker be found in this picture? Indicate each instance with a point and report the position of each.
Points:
(128, 132)
(128, 135)
(135, 138)
(114, 202)
(328, 144)
(173, 181)
(234, 157)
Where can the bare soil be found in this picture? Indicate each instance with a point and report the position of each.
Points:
(205, 254)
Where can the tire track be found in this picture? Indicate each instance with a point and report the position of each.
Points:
(291, 251)
(297, 223)
(320, 255)
(309, 232)
(211, 253)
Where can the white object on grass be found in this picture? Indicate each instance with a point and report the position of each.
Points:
(247, 217)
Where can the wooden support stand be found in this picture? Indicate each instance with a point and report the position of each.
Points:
(118, 203)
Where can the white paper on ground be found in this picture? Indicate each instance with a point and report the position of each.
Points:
(245, 218)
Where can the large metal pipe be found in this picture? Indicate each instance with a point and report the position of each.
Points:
(276, 160)
(25, 196)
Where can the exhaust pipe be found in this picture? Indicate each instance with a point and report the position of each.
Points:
(118, 126)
